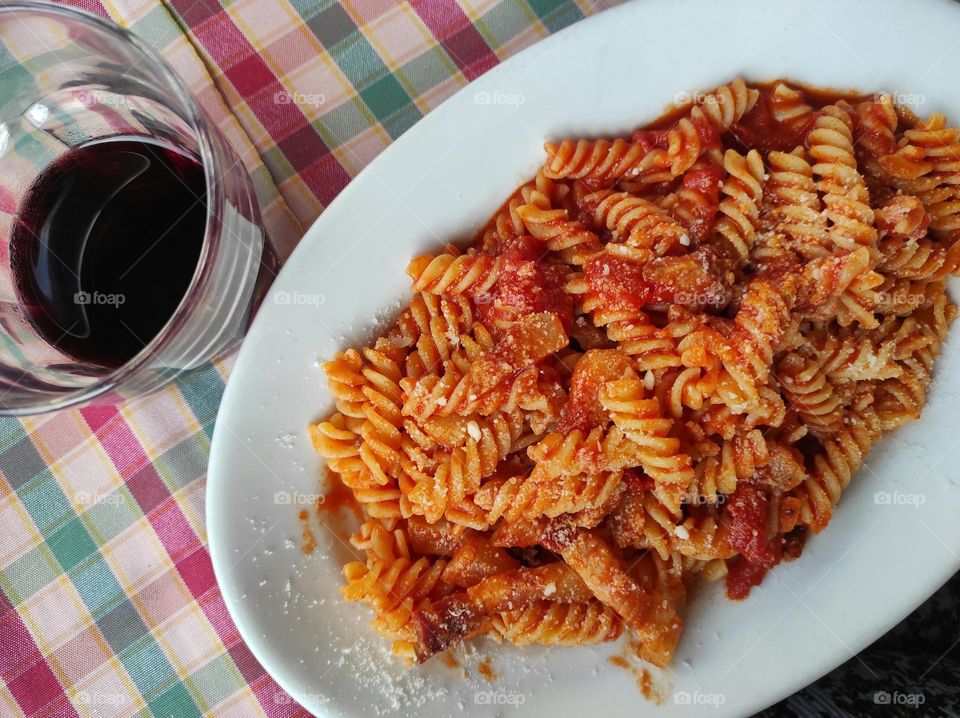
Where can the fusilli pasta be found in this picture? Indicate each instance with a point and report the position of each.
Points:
(662, 361)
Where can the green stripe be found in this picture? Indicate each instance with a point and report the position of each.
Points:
(556, 14)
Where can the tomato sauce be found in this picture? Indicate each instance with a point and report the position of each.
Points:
(707, 132)
(867, 132)
(485, 669)
(650, 139)
(309, 544)
(338, 497)
(759, 129)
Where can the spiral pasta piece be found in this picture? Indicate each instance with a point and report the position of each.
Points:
(808, 390)
(928, 166)
(788, 105)
(540, 494)
(728, 103)
(715, 477)
(346, 382)
(487, 442)
(713, 113)
(834, 468)
(394, 587)
(601, 161)
(642, 422)
(431, 329)
(448, 274)
(558, 624)
(651, 617)
(793, 206)
(845, 197)
(740, 206)
(554, 228)
(640, 223)
(876, 126)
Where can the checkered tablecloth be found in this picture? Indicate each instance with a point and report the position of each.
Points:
(108, 604)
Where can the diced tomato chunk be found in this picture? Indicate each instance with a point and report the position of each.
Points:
(704, 179)
(522, 246)
(527, 287)
(582, 410)
(620, 285)
(742, 576)
(693, 279)
(526, 342)
(746, 515)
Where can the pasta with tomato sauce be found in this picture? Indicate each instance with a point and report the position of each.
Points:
(661, 362)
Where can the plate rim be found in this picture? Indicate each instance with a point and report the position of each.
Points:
(232, 399)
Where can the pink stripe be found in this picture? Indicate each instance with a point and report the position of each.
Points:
(215, 609)
(8, 201)
(242, 65)
(325, 177)
(243, 659)
(93, 6)
(98, 416)
(442, 17)
(35, 687)
(82, 654)
(18, 647)
(174, 531)
(459, 37)
(275, 701)
(196, 570)
(123, 447)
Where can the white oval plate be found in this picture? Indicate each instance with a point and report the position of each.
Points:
(440, 181)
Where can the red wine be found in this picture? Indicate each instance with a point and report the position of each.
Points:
(105, 245)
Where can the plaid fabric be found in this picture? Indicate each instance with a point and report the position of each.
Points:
(108, 603)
